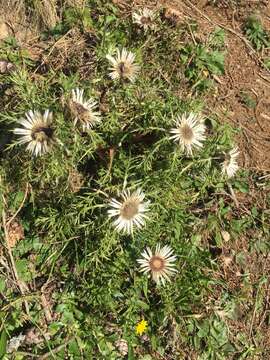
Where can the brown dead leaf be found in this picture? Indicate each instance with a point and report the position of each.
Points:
(46, 308)
(173, 15)
(47, 10)
(227, 260)
(120, 3)
(76, 3)
(15, 233)
(111, 154)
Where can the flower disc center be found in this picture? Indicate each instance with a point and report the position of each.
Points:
(145, 20)
(80, 111)
(157, 263)
(78, 108)
(130, 209)
(187, 132)
(122, 67)
(42, 134)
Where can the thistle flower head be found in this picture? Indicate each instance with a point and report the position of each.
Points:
(230, 166)
(189, 132)
(160, 263)
(129, 212)
(123, 65)
(37, 132)
(82, 110)
(144, 18)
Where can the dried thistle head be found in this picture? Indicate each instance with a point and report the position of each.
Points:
(83, 110)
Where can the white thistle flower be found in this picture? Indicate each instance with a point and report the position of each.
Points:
(144, 18)
(123, 65)
(130, 211)
(82, 110)
(160, 263)
(189, 132)
(230, 166)
(37, 132)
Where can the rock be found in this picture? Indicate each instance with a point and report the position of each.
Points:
(226, 236)
(4, 31)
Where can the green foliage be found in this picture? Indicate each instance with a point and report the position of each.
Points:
(248, 100)
(204, 61)
(213, 334)
(255, 32)
(70, 250)
(3, 343)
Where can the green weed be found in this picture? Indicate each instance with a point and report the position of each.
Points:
(70, 253)
(255, 32)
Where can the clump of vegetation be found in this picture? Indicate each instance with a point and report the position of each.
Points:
(255, 32)
(204, 61)
(117, 194)
(247, 99)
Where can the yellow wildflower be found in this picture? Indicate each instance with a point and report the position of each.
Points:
(141, 327)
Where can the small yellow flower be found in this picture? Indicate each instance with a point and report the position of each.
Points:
(141, 327)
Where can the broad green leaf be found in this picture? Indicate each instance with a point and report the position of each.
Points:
(3, 343)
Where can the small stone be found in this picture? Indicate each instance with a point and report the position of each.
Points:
(6, 67)
(226, 236)
(4, 31)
